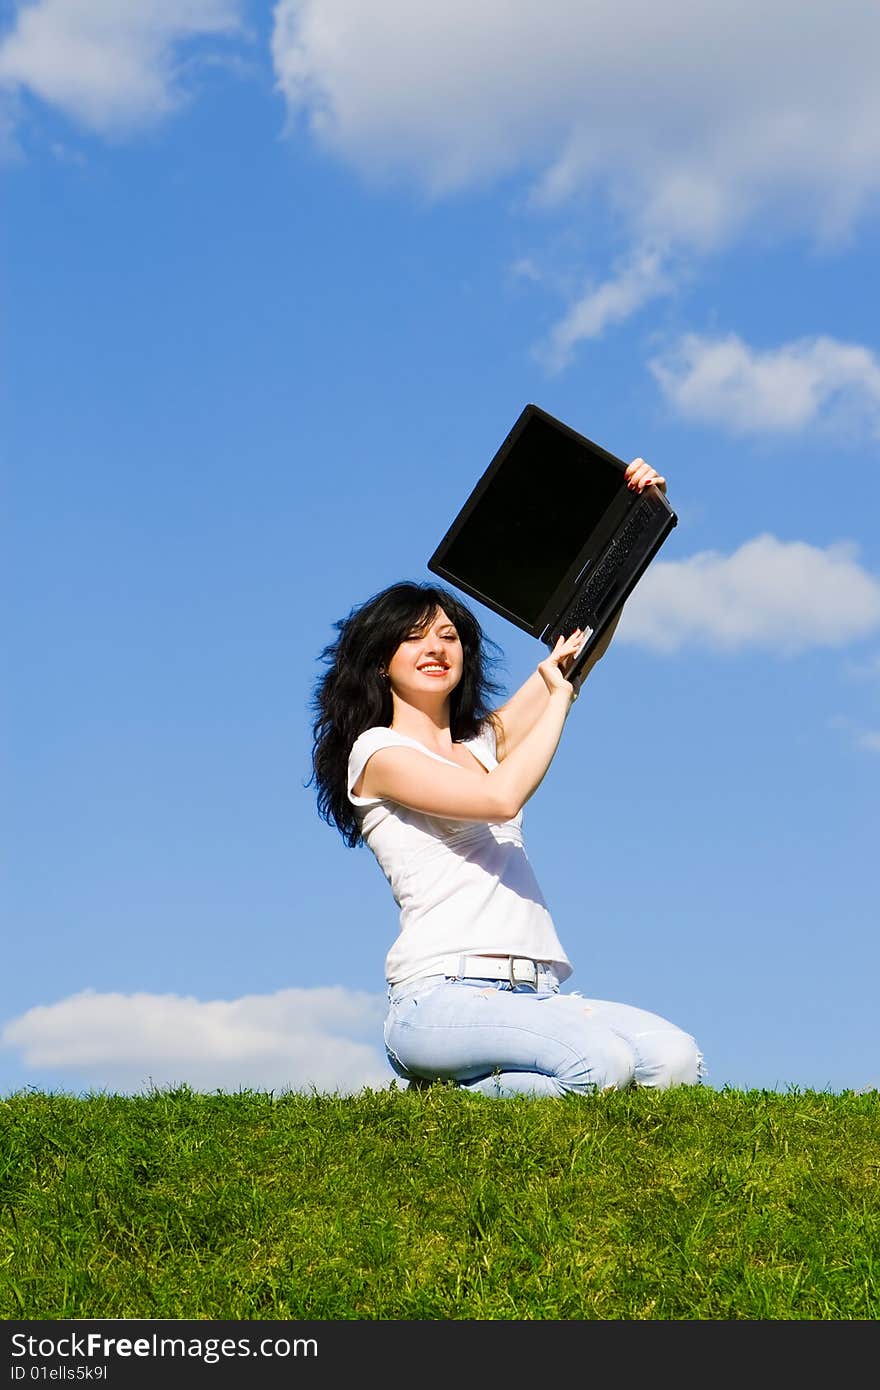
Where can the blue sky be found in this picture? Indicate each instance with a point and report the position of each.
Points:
(276, 283)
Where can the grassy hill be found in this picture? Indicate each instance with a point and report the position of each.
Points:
(688, 1204)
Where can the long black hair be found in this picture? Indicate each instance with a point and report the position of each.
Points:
(353, 695)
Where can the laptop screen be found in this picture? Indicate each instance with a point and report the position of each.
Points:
(525, 525)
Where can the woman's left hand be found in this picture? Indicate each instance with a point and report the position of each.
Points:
(554, 667)
(640, 475)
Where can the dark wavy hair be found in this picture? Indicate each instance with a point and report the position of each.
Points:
(352, 695)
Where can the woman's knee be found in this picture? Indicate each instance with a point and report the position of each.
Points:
(667, 1058)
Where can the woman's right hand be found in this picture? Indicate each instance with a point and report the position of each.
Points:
(552, 668)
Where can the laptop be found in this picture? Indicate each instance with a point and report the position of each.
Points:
(551, 537)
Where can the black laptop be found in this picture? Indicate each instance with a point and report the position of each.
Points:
(551, 536)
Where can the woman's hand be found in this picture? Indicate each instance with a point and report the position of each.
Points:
(552, 669)
(640, 475)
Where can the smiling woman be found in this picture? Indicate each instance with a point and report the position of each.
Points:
(409, 758)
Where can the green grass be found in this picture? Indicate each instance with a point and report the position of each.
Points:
(687, 1204)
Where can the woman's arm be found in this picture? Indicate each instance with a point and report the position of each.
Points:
(516, 716)
(514, 719)
(406, 776)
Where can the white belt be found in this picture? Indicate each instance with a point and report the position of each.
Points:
(517, 970)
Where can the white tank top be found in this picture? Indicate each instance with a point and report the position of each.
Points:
(463, 887)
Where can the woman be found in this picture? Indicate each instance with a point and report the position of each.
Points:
(409, 758)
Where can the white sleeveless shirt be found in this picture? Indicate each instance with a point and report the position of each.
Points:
(463, 887)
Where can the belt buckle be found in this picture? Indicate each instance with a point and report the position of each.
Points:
(511, 974)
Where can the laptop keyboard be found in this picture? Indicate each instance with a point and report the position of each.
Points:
(598, 587)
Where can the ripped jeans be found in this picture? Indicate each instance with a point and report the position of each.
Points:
(495, 1039)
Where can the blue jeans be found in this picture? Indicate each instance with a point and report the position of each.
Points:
(495, 1039)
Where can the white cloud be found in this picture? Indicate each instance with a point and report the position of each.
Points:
(635, 282)
(691, 119)
(787, 596)
(868, 669)
(724, 381)
(111, 65)
(294, 1039)
(867, 740)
